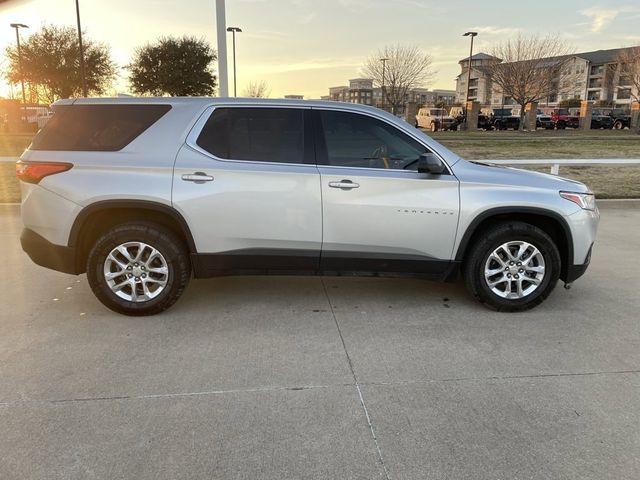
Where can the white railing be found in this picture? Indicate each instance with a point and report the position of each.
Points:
(555, 163)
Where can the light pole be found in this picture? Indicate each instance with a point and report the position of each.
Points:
(469, 34)
(221, 26)
(18, 26)
(233, 31)
(84, 80)
(384, 65)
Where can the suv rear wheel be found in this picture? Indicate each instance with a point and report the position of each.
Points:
(138, 269)
(513, 267)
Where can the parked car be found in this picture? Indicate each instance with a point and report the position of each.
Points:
(503, 119)
(544, 121)
(457, 112)
(435, 119)
(621, 119)
(563, 118)
(144, 193)
(601, 120)
(485, 122)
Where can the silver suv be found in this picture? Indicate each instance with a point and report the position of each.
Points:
(143, 194)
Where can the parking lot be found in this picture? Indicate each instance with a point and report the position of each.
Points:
(334, 378)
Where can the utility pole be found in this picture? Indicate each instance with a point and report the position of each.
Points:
(384, 64)
(18, 26)
(233, 31)
(221, 25)
(84, 79)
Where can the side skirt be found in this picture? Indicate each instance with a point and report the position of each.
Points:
(288, 262)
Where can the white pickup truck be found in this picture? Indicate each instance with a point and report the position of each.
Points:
(435, 119)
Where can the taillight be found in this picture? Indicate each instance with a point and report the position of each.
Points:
(33, 172)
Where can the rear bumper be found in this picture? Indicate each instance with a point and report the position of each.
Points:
(47, 254)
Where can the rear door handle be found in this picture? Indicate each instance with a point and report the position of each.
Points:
(344, 184)
(197, 177)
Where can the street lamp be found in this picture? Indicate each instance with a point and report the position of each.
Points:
(384, 64)
(84, 80)
(233, 31)
(469, 34)
(18, 26)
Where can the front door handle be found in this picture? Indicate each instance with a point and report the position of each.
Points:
(344, 184)
(197, 177)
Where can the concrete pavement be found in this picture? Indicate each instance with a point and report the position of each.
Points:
(292, 377)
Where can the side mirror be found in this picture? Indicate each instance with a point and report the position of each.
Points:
(430, 163)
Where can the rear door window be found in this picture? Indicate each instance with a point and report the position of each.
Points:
(107, 127)
(255, 134)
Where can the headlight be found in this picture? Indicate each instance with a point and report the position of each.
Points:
(586, 201)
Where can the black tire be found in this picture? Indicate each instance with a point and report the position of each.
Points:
(561, 125)
(490, 240)
(618, 125)
(434, 127)
(173, 252)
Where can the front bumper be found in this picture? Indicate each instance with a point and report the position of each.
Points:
(574, 272)
(46, 254)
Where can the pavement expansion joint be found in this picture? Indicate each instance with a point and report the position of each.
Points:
(357, 385)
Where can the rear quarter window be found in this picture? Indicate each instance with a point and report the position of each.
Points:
(103, 128)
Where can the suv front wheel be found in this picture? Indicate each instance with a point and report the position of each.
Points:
(138, 269)
(513, 267)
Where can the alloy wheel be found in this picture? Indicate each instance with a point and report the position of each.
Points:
(136, 272)
(514, 270)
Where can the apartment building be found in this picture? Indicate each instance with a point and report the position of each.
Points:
(593, 76)
(362, 91)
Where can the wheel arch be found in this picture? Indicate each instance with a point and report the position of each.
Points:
(97, 218)
(549, 221)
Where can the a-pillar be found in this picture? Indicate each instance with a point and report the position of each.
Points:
(586, 108)
(473, 110)
(530, 116)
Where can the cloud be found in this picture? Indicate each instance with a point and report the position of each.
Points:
(267, 34)
(317, 64)
(414, 3)
(493, 30)
(602, 16)
(307, 18)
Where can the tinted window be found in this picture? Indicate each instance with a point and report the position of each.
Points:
(257, 134)
(354, 140)
(96, 127)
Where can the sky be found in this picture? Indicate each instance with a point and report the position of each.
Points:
(305, 46)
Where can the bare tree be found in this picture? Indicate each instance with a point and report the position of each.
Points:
(258, 89)
(406, 67)
(629, 61)
(532, 68)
